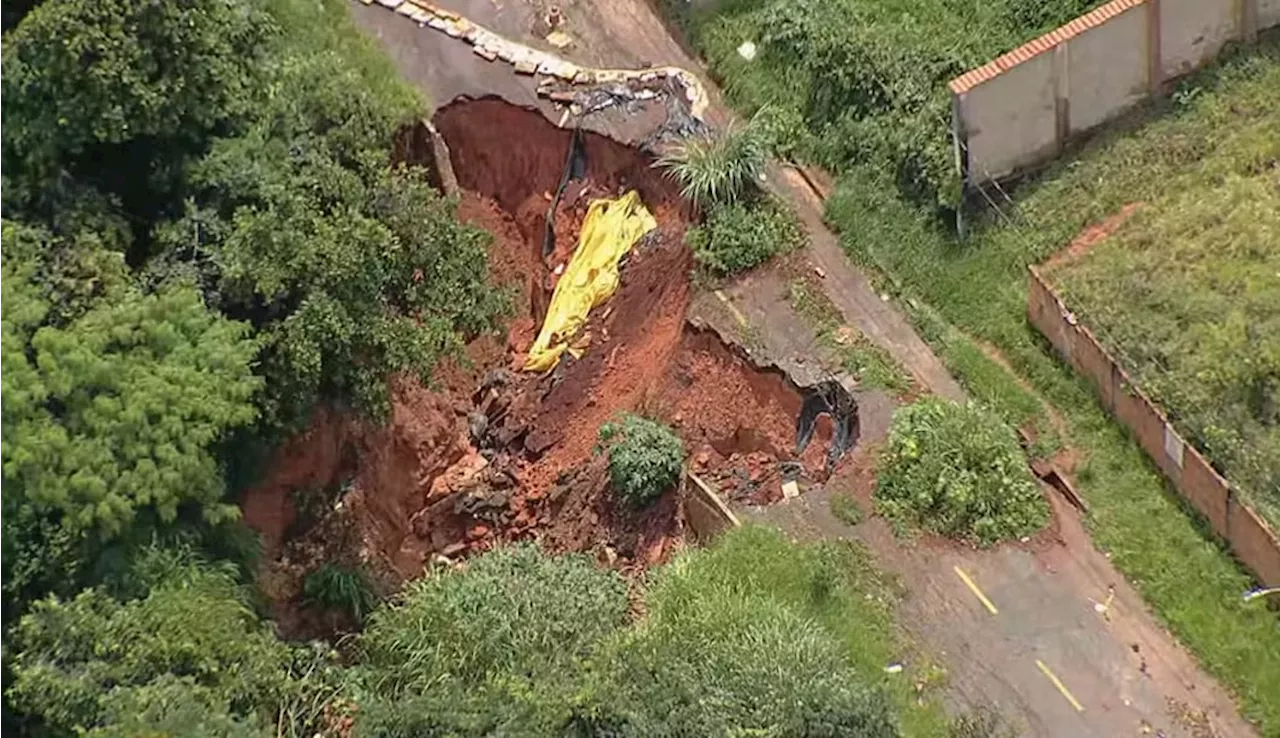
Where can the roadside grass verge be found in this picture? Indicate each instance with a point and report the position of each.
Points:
(1222, 121)
(832, 584)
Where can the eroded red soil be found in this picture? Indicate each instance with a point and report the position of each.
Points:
(489, 453)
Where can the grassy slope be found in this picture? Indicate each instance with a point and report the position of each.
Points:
(1187, 294)
(1223, 120)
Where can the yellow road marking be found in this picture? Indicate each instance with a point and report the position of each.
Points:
(1061, 687)
(737, 314)
(977, 592)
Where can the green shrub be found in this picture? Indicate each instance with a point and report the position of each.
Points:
(958, 470)
(189, 648)
(497, 648)
(645, 458)
(717, 168)
(741, 235)
(341, 588)
(846, 509)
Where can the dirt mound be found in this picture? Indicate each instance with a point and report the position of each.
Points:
(488, 453)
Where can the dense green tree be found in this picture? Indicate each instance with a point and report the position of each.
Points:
(350, 270)
(121, 408)
(172, 707)
(187, 651)
(83, 74)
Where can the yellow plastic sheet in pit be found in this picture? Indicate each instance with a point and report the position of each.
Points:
(609, 231)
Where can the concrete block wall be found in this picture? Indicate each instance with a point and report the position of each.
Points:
(1020, 109)
(1249, 537)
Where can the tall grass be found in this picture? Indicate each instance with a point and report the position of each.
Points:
(863, 82)
(717, 168)
(827, 600)
(753, 636)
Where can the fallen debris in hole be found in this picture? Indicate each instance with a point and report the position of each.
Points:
(493, 454)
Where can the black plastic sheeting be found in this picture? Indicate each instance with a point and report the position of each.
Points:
(829, 397)
(575, 167)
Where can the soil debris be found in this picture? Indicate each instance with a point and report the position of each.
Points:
(488, 453)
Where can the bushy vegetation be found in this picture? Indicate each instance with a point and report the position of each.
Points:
(254, 167)
(1186, 294)
(958, 470)
(204, 238)
(738, 236)
(717, 168)
(862, 83)
(182, 652)
(498, 647)
(645, 458)
(754, 635)
(343, 588)
(742, 226)
(1219, 124)
(733, 640)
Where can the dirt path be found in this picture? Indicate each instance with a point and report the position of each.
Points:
(1048, 647)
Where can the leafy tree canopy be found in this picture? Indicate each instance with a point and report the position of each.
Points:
(351, 270)
(78, 73)
(188, 652)
(121, 408)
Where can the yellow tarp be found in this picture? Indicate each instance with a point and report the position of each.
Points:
(609, 231)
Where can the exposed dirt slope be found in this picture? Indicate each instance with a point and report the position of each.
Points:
(490, 453)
